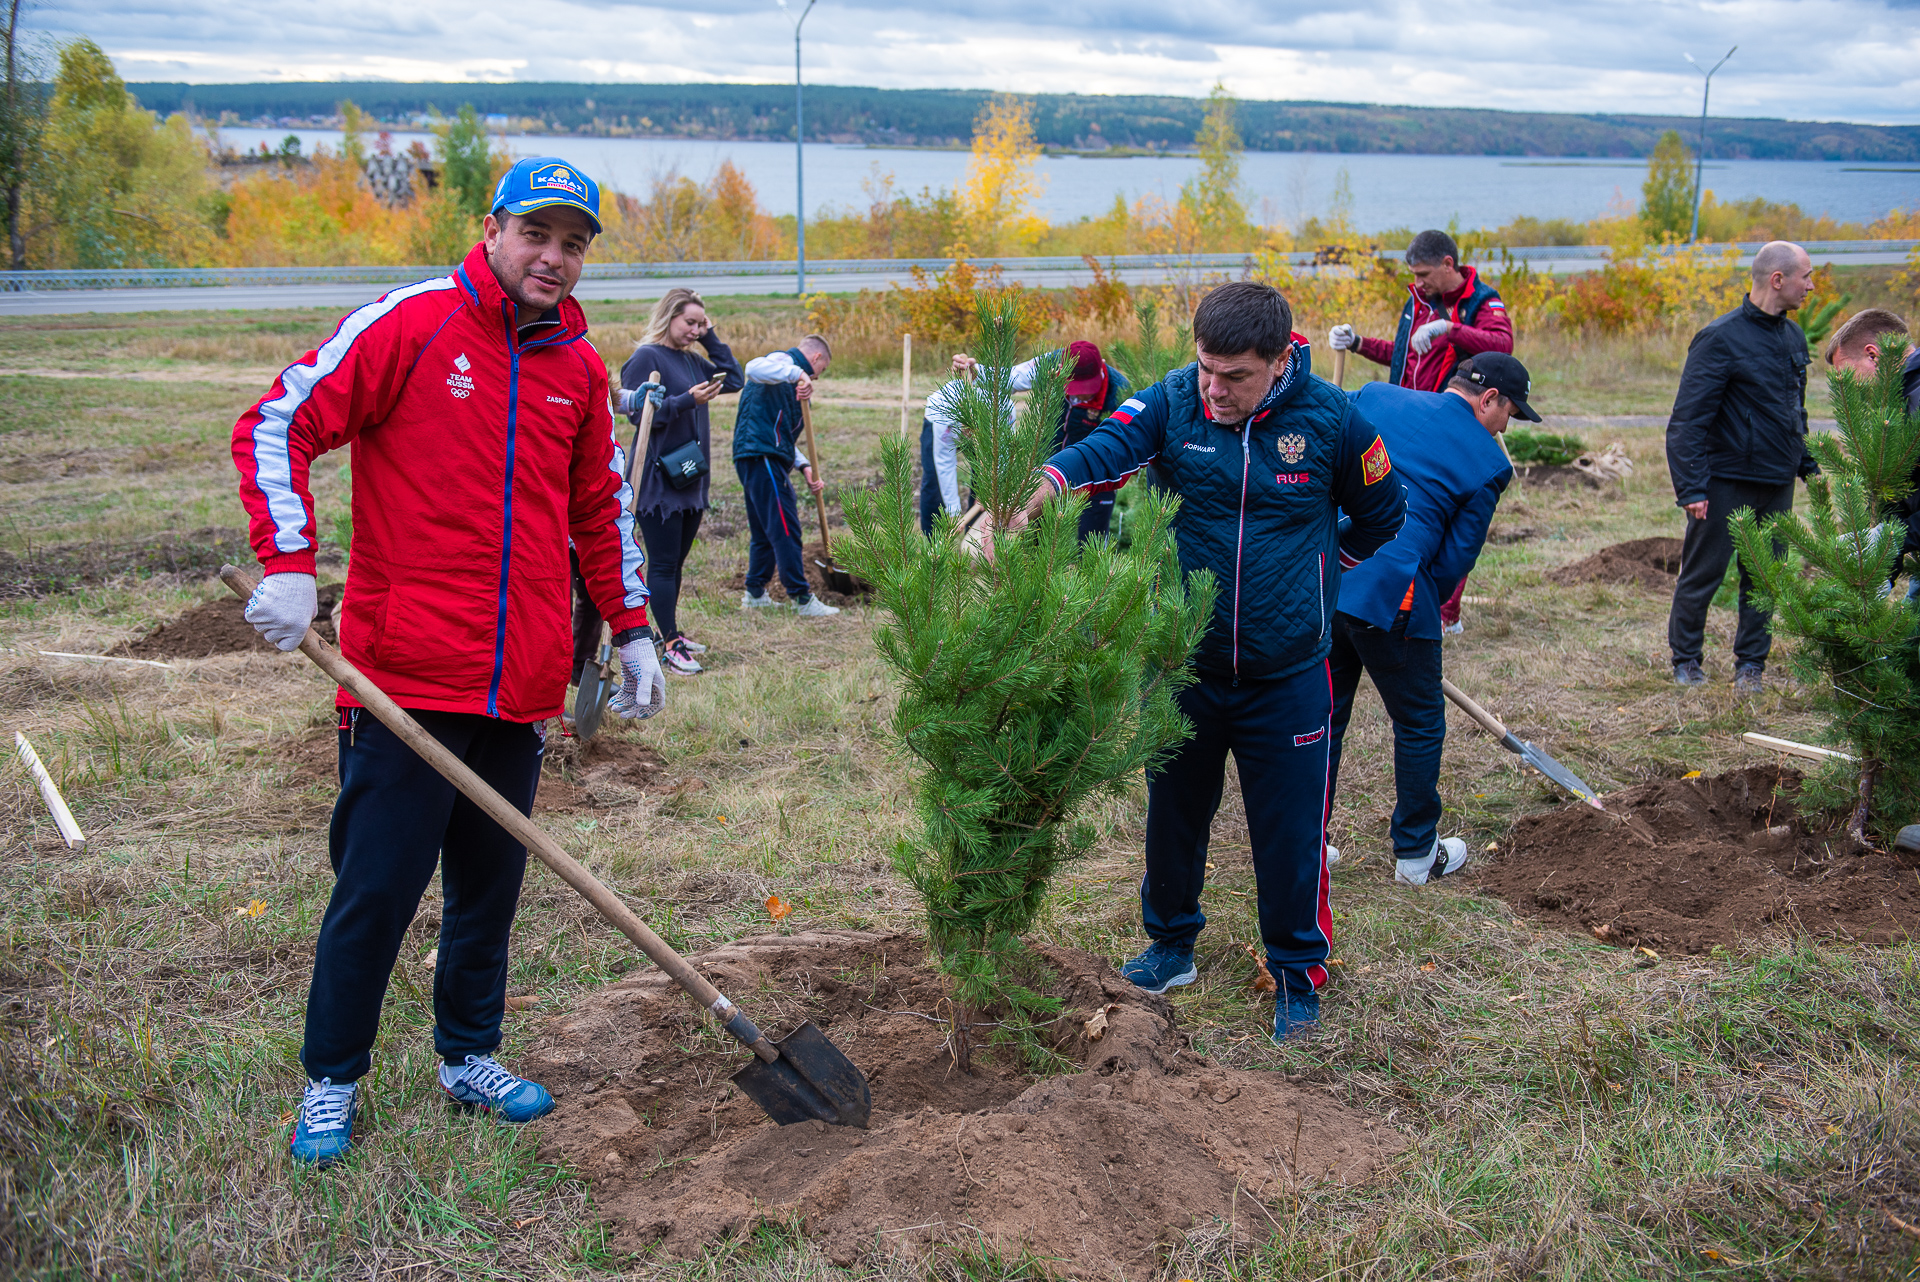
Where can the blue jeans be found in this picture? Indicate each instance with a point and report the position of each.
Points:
(773, 520)
(1407, 675)
(1277, 731)
(395, 820)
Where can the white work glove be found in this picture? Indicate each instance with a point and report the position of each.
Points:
(282, 607)
(1342, 338)
(1429, 334)
(640, 679)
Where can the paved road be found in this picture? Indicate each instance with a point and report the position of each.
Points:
(346, 297)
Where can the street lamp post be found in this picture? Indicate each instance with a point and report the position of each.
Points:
(1699, 161)
(799, 155)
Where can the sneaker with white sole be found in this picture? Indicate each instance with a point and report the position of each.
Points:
(814, 608)
(323, 1128)
(1161, 967)
(484, 1083)
(1333, 855)
(677, 658)
(692, 646)
(748, 601)
(1455, 628)
(1417, 872)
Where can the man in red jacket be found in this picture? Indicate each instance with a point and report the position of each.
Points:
(482, 444)
(1450, 314)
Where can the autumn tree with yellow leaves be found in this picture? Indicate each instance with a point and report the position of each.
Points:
(996, 200)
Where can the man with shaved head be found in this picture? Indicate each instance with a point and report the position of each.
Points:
(1737, 438)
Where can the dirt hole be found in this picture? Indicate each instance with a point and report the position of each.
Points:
(1099, 1169)
(1680, 865)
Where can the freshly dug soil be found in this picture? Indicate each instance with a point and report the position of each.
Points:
(1651, 563)
(1683, 864)
(1553, 476)
(1098, 1170)
(816, 581)
(219, 626)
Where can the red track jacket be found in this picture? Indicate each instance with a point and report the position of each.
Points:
(1481, 328)
(478, 450)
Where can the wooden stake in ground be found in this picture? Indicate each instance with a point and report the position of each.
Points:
(62, 817)
(906, 378)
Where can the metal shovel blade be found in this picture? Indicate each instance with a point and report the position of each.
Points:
(842, 581)
(591, 700)
(1559, 774)
(812, 1079)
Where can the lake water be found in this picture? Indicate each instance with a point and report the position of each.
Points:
(1285, 187)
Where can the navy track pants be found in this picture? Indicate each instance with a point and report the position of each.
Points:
(773, 521)
(1406, 672)
(1277, 732)
(395, 820)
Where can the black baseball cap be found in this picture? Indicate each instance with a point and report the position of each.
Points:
(1504, 375)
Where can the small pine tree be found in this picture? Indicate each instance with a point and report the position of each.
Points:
(1666, 198)
(1034, 677)
(1859, 647)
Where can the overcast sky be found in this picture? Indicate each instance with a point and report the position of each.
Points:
(1800, 59)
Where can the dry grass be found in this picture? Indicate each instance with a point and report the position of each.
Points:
(1577, 1113)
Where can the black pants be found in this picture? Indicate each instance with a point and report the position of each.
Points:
(1407, 674)
(1277, 732)
(668, 539)
(1703, 566)
(396, 818)
(773, 518)
(930, 502)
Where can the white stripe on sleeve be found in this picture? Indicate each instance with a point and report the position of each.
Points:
(632, 559)
(272, 462)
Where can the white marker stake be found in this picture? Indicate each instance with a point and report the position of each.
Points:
(62, 817)
(906, 378)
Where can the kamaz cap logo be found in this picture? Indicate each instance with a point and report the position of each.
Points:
(461, 363)
(559, 178)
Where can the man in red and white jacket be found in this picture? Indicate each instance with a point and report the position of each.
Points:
(481, 440)
(1450, 314)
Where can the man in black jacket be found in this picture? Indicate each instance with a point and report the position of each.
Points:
(1737, 438)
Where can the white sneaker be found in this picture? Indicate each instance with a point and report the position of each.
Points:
(691, 646)
(1333, 855)
(676, 658)
(1417, 872)
(814, 608)
(748, 601)
(1455, 628)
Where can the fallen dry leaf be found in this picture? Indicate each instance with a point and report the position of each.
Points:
(1649, 952)
(522, 1003)
(778, 908)
(1693, 774)
(1427, 968)
(1263, 980)
(1096, 1025)
(531, 1219)
(1719, 1256)
(432, 959)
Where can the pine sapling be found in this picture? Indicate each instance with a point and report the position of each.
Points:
(1826, 580)
(1034, 677)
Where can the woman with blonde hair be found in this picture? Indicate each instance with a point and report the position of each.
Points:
(671, 481)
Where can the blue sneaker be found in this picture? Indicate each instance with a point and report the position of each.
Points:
(482, 1083)
(1295, 1013)
(1161, 967)
(323, 1130)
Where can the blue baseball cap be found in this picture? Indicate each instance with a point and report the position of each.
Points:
(542, 181)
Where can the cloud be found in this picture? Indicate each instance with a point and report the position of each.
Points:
(1801, 59)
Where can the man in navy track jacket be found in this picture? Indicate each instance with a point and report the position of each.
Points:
(1264, 456)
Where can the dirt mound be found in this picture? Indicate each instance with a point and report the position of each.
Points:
(816, 580)
(1555, 477)
(1097, 1170)
(218, 626)
(596, 774)
(1652, 563)
(1683, 864)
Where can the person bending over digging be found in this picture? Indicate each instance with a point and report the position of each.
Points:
(1263, 456)
(1095, 389)
(1448, 460)
(1855, 349)
(1450, 314)
(766, 447)
(477, 414)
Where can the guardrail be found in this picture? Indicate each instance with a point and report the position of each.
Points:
(188, 277)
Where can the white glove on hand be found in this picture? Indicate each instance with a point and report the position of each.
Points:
(1342, 338)
(628, 400)
(1429, 334)
(282, 607)
(640, 679)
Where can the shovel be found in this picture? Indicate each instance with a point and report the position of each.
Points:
(801, 1077)
(1527, 753)
(837, 579)
(595, 684)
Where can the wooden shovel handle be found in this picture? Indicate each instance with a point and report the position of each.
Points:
(503, 812)
(1472, 709)
(819, 496)
(1340, 368)
(642, 438)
